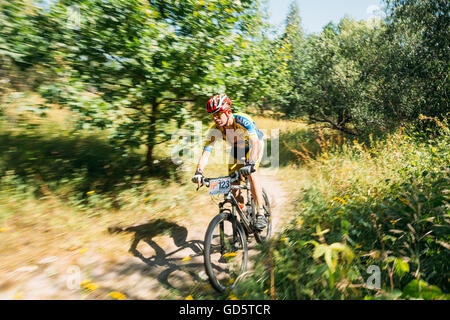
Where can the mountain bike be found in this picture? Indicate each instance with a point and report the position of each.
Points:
(228, 233)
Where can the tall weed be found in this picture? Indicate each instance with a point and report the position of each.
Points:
(375, 205)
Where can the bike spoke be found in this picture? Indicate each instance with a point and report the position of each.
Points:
(226, 255)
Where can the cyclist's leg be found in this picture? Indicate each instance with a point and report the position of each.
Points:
(234, 165)
(256, 188)
(255, 181)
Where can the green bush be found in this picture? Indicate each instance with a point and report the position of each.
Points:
(398, 223)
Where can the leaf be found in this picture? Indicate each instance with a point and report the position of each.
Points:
(338, 246)
(421, 289)
(319, 250)
(401, 267)
(330, 259)
(346, 250)
(319, 232)
(313, 242)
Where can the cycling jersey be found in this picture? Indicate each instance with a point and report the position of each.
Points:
(244, 127)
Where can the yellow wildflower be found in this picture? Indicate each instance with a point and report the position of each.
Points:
(232, 297)
(283, 239)
(189, 297)
(82, 250)
(85, 282)
(340, 212)
(340, 200)
(186, 259)
(358, 246)
(229, 254)
(3, 229)
(18, 296)
(91, 286)
(90, 192)
(300, 222)
(267, 290)
(117, 295)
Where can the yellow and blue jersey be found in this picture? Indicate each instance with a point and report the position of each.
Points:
(244, 127)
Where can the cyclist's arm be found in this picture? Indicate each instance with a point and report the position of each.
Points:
(203, 160)
(214, 134)
(255, 148)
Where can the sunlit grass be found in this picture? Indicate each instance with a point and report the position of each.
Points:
(339, 194)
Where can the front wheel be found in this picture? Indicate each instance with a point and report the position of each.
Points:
(225, 253)
(264, 235)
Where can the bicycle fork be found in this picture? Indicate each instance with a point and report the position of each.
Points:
(234, 245)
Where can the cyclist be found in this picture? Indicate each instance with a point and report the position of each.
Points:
(241, 132)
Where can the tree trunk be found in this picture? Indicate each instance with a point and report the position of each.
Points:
(151, 135)
(149, 157)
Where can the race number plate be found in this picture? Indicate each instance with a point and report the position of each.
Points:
(219, 186)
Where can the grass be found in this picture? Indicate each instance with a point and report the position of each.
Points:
(382, 203)
(61, 189)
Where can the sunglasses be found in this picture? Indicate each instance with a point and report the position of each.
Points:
(217, 114)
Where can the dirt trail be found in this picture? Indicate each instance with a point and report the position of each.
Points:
(157, 266)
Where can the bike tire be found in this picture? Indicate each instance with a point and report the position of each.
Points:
(264, 235)
(210, 266)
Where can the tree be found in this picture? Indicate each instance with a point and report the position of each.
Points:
(294, 45)
(135, 65)
(334, 86)
(374, 75)
(419, 56)
(22, 50)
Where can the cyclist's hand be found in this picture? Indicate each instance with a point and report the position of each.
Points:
(247, 169)
(198, 178)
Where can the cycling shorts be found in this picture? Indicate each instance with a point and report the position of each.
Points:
(236, 164)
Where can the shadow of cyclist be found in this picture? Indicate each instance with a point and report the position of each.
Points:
(146, 232)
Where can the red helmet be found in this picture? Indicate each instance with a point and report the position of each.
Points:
(218, 103)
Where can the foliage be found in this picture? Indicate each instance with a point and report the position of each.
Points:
(389, 210)
(146, 63)
(373, 76)
(141, 69)
(335, 82)
(294, 48)
(23, 51)
(419, 56)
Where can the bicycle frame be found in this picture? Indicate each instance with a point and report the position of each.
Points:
(230, 198)
(241, 224)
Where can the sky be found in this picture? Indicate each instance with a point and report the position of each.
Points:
(316, 14)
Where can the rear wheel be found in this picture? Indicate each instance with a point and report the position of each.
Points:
(264, 235)
(225, 253)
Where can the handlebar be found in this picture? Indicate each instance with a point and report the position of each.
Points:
(234, 177)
